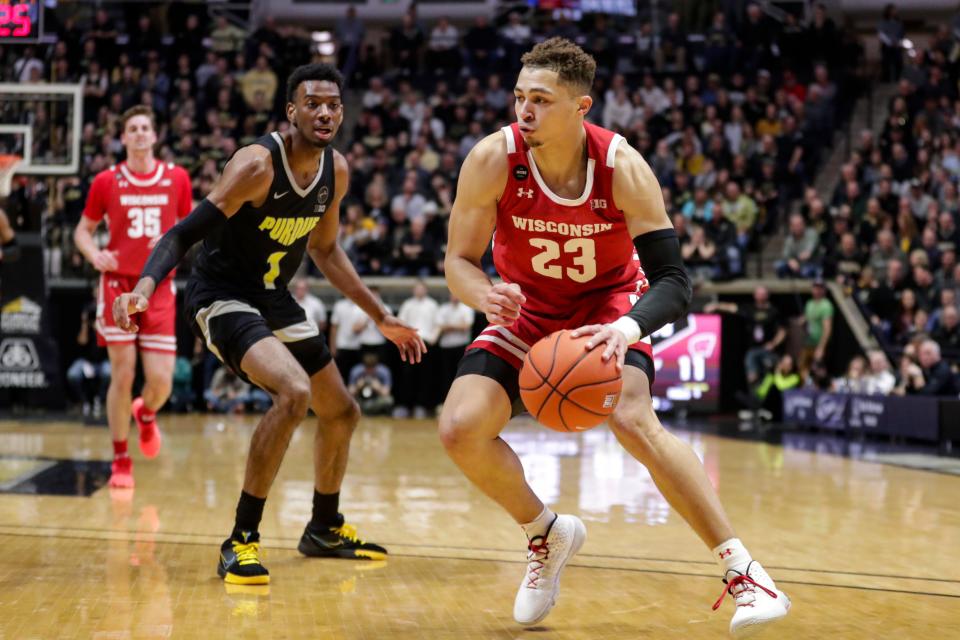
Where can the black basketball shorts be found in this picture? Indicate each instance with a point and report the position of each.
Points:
(484, 363)
(232, 321)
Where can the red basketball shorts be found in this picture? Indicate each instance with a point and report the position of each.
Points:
(512, 343)
(157, 324)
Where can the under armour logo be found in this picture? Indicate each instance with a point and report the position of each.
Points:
(524, 193)
(726, 553)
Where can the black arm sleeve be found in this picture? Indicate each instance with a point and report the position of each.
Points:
(11, 251)
(175, 243)
(670, 292)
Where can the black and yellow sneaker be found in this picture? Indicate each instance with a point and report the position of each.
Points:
(339, 541)
(240, 560)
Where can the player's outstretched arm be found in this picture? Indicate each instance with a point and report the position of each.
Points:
(330, 258)
(246, 178)
(637, 193)
(472, 219)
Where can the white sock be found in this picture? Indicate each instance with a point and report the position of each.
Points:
(540, 524)
(732, 555)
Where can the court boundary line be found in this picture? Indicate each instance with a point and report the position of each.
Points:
(497, 550)
(131, 536)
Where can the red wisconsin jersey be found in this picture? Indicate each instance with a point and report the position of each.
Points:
(139, 209)
(562, 252)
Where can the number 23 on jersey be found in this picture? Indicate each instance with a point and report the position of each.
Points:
(584, 260)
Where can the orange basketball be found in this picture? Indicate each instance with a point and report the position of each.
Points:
(566, 387)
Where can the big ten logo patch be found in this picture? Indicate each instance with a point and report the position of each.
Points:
(322, 196)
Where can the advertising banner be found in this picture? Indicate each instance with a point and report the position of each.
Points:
(28, 354)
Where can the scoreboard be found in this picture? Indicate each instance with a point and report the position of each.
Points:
(20, 21)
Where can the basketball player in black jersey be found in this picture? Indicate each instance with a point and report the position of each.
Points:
(276, 198)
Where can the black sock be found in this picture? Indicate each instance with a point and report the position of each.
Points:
(249, 513)
(326, 511)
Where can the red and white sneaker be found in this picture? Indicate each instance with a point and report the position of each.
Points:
(150, 438)
(546, 557)
(759, 602)
(121, 473)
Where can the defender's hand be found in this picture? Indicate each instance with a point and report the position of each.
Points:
(406, 338)
(502, 305)
(604, 334)
(124, 306)
(105, 261)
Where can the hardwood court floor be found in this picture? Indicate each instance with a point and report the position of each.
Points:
(864, 550)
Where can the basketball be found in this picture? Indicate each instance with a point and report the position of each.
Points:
(567, 388)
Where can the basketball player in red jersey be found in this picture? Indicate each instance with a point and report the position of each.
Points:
(141, 198)
(573, 211)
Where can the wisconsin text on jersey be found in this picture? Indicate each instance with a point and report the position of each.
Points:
(142, 200)
(561, 228)
(286, 231)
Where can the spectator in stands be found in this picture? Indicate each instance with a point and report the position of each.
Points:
(766, 401)
(765, 326)
(855, 379)
(226, 38)
(311, 304)
(417, 253)
(371, 383)
(932, 377)
(880, 379)
(672, 53)
(345, 335)
(480, 44)
(845, 262)
(443, 48)
(89, 375)
(229, 394)
(729, 256)
(890, 33)
(28, 67)
(418, 382)
(350, 33)
(406, 46)
(741, 210)
(904, 322)
(699, 253)
(818, 317)
(455, 322)
(799, 251)
(371, 339)
(259, 80)
(947, 333)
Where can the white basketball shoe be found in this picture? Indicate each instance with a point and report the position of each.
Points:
(546, 557)
(759, 602)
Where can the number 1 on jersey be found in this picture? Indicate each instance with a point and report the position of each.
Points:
(273, 261)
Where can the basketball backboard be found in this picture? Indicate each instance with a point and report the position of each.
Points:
(42, 123)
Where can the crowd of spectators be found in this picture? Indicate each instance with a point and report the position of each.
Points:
(733, 121)
(890, 231)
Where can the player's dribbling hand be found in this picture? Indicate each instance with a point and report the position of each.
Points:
(104, 260)
(604, 334)
(502, 306)
(406, 338)
(124, 306)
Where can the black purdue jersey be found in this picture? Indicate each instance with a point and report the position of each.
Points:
(261, 248)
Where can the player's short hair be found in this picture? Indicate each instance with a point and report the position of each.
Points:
(574, 65)
(139, 110)
(318, 71)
